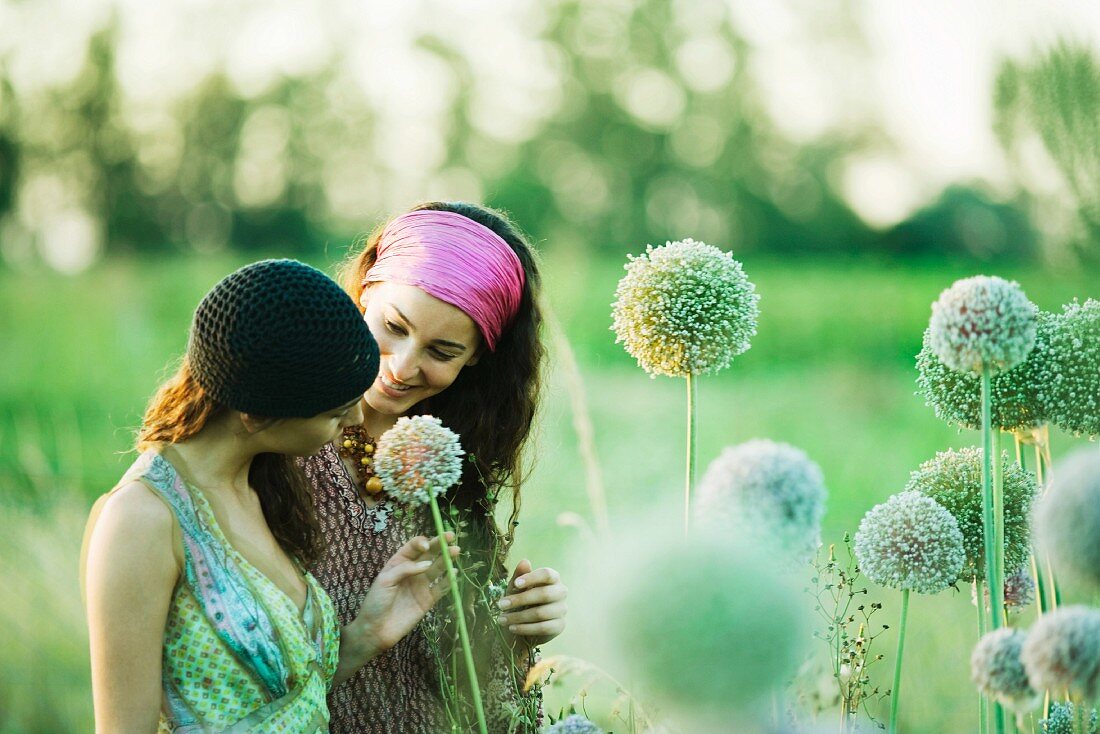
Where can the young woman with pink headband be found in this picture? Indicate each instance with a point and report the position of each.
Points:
(449, 291)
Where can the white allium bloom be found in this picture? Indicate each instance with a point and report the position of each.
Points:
(418, 458)
(1071, 389)
(996, 668)
(954, 479)
(771, 491)
(1061, 720)
(574, 724)
(1015, 394)
(1062, 652)
(910, 542)
(1067, 519)
(685, 308)
(984, 321)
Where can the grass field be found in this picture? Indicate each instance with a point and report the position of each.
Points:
(830, 371)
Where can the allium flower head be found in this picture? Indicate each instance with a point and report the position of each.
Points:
(910, 542)
(1062, 717)
(1062, 652)
(996, 669)
(574, 724)
(1019, 590)
(984, 321)
(707, 624)
(1067, 519)
(417, 459)
(1071, 390)
(685, 308)
(1016, 393)
(771, 490)
(954, 479)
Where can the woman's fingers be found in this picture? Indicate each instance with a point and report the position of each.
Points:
(541, 613)
(539, 595)
(396, 574)
(550, 629)
(538, 577)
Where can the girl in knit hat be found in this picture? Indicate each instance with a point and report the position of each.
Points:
(202, 615)
(450, 291)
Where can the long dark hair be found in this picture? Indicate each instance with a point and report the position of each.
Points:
(491, 405)
(180, 408)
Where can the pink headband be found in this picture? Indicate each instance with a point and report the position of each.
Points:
(456, 260)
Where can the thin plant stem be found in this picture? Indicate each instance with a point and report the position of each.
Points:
(997, 597)
(689, 478)
(897, 662)
(979, 592)
(988, 531)
(460, 617)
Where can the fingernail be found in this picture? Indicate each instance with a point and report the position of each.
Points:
(521, 582)
(424, 564)
(513, 628)
(504, 603)
(501, 619)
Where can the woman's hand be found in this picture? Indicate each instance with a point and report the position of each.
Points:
(400, 596)
(533, 610)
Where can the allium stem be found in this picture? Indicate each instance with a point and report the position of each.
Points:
(689, 478)
(897, 662)
(460, 615)
(997, 598)
(983, 704)
(1042, 459)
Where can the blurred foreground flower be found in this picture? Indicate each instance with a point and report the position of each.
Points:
(954, 479)
(685, 308)
(1019, 590)
(574, 724)
(1072, 390)
(1062, 652)
(1067, 519)
(1015, 394)
(984, 322)
(996, 668)
(418, 459)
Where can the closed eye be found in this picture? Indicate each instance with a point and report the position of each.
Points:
(395, 328)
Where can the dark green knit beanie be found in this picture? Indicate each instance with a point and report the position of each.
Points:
(281, 339)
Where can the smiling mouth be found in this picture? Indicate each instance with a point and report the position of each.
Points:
(391, 385)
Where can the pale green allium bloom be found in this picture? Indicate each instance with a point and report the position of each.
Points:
(1015, 394)
(574, 724)
(910, 542)
(685, 308)
(1062, 717)
(1019, 590)
(996, 669)
(417, 459)
(954, 479)
(1067, 519)
(1071, 390)
(771, 491)
(707, 624)
(984, 321)
(1062, 652)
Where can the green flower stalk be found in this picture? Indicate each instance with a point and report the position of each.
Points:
(985, 325)
(573, 724)
(1062, 652)
(418, 460)
(1067, 518)
(911, 543)
(770, 491)
(685, 309)
(954, 479)
(996, 668)
(1071, 389)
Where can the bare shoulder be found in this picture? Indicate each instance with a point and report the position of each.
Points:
(135, 508)
(132, 526)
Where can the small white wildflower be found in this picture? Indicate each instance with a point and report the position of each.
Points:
(1062, 652)
(1067, 519)
(1019, 590)
(1071, 388)
(984, 321)
(954, 479)
(1016, 394)
(910, 542)
(417, 459)
(574, 724)
(770, 490)
(996, 669)
(685, 308)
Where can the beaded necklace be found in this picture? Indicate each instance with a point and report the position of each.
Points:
(358, 447)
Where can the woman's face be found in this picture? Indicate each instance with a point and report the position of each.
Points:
(423, 342)
(306, 436)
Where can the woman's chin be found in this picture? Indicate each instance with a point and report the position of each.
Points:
(385, 404)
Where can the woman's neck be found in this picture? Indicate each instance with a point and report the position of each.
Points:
(217, 458)
(375, 423)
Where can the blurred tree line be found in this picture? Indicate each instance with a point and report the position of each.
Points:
(654, 129)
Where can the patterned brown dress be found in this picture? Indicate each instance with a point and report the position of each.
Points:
(398, 692)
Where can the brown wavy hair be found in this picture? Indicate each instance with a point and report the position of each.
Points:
(180, 408)
(491, 405)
